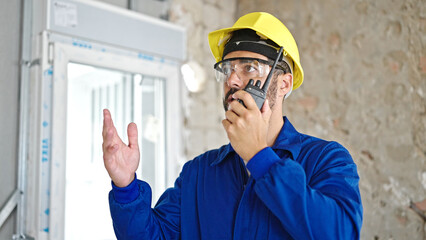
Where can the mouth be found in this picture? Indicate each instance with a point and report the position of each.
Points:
(228, 98)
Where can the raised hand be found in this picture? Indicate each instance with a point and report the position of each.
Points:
(121, 160)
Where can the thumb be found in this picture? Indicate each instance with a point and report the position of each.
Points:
(132, 133)
(266, 111)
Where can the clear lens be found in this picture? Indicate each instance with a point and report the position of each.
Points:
(220, 76)
(245, 68)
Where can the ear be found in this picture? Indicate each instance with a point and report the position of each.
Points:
(285, 83)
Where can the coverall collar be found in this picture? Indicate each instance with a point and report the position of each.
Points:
(288, 139)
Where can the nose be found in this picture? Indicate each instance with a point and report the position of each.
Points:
(234, 81)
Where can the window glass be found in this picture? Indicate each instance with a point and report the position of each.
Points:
(130, 97)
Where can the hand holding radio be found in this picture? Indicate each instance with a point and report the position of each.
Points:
(246, 126)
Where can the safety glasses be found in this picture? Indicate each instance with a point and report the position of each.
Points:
(245, 68)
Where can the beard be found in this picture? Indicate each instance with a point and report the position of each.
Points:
(271, 95)
(225, 98)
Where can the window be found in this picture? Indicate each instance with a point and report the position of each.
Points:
(80, 68)
(73, 183)
(130, 98)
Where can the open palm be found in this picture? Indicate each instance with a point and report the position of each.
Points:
(121, 160)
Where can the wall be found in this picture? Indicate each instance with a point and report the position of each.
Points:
(10, 33)
(203, 111)
(365, 87)
(365, 67)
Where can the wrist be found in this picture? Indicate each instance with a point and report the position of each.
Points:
(124, 182)
(252, 152)
(126, 194)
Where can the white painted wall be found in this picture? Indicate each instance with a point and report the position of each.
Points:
(10, 38)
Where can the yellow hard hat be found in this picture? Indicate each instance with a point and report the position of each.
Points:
(267, 27)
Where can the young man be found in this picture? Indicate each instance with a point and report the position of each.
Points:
(270, 182)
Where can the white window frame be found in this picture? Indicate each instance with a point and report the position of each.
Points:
(53, 48)
(55, 114)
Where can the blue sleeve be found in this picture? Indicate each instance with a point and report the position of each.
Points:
(132, 215)
(325, 205)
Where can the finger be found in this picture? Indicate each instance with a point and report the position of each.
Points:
(226, 125)
(246, 98)
(231, 116)
(113, 148)
(237, 108)
(108, 123)
(132, 133)
(107, 131)
(107, 118)
(266, 111)
(108, 140)
(107, 115)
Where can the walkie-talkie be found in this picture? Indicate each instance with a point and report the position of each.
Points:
(259, 94)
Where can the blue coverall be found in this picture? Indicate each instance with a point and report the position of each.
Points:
(300, 188)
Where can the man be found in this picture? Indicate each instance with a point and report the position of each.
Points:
(270, 182)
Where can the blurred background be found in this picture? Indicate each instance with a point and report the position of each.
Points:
(364, 86)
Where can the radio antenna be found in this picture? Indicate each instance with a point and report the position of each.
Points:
(266, 85)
